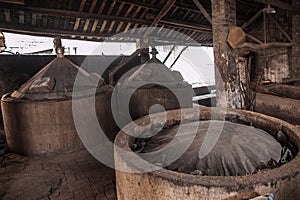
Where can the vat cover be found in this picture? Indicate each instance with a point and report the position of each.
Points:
(55, 81)
(153, 71)
(240, 149)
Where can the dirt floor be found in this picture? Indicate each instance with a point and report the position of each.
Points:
(75, 175)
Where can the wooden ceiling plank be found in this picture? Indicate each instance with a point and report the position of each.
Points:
(33, 19)
(21, 17)
(112, 5)
(140, 4)
(163, 12)
(203, 11)
(174, 11)
(120, 9)
(136, 12)
(119, 27)
(91, 10)
(186, 25)
(111, 26)
(103, 26)
(82, 4)
(7, 16)
(81, 7)
(100, 11)
(74, 14)
(18, 2)
(127, 27)
(126, 15)
(129, 10)
(160, 15)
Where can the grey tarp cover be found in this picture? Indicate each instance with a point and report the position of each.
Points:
(239, 150)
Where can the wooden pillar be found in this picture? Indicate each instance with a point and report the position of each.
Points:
(226, 59)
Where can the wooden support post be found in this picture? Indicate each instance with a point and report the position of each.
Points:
(226, 58)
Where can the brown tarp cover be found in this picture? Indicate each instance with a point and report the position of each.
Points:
(240, 149)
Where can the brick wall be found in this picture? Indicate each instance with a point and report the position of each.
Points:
(295, 53)
(272, 63)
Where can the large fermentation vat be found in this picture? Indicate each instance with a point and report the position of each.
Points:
(38, 116)
(151, 83)
(283, 182)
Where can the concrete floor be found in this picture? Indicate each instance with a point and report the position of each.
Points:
(75, 175)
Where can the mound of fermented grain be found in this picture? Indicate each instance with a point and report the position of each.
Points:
(239, 150)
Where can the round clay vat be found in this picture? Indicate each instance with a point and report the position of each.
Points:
(47, 126)
(283, 182)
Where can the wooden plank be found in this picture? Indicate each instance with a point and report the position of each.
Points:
(126, 15)
(100, 11)
(136, 12)
(186, 25)
(173, 11)
(56, 22)
(127, 27)
(185, 15)
(253, 19)
(74, 14)
(81, 7)
(111, 26)
(7, 16)
(112, 5)
(161, 28)
(163, 12)
(21, 17)
(103, 26)
(129, 10)
(160, 15)
(91, 10)
(133, 16)
(203, 11)
(120, 9)
(33, 19)
(45, 20)
(119, 27)
(66, 23)
(18, 2)
(140, 4)
(170, 32)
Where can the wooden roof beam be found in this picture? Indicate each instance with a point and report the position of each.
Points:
(18, 2)
(253, 19)
(160, 15)
(203, 11)
(69, 13)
